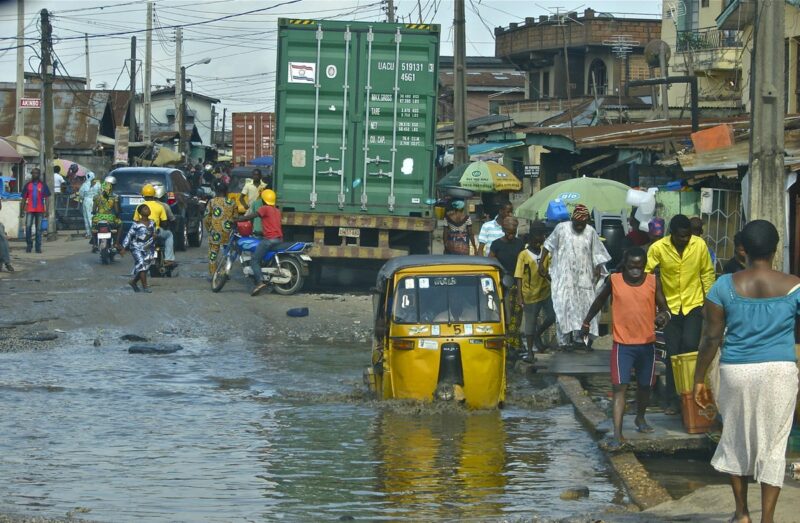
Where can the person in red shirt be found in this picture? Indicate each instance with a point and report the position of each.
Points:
(271, 230)
(34, 207)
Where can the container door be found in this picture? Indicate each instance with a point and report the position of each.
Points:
(392, 141)
(315, 110)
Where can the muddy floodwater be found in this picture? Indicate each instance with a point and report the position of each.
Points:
(238, 431)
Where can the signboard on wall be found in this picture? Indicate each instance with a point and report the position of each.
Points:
(532, 171)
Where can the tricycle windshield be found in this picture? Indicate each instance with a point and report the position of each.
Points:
(446, 299)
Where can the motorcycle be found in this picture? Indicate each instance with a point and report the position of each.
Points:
(159, 269)
(286, 266)
(105, 242)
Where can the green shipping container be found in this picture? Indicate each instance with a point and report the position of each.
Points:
(356, 117)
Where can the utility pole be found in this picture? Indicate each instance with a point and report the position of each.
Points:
(46, 154)
(419, 8)
(460, 154)
(132, 104)
(19, 122)
(767, 96)
(148, 71)
(213, 122)
(224, 116)
(390, 11)
(178, 49)
(88, 75)
(182, 141)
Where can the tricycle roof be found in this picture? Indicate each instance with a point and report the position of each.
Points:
(421, 260)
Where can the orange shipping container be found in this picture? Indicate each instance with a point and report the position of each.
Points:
(253, 136)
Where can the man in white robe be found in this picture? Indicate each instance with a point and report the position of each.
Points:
(578, 259)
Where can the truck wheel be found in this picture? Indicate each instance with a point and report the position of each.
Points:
(296, 281)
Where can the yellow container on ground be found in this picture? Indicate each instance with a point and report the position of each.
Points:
(683, 366)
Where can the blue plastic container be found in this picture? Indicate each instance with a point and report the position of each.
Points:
(557, 211)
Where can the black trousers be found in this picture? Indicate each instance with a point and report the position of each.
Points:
(681, 335)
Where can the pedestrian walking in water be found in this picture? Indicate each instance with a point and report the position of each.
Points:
(756, 309)
(218, 221)
(687, 275)
(638, 306)
(577, 264)
(534, 290)
(506, 249)
(140, 241)
(458, 230)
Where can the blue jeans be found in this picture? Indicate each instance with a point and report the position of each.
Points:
(30, 219)
(169, 243)
(264, 246)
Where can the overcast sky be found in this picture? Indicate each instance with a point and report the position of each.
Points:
(241, 48)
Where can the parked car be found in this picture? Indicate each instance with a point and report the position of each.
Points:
(185, 203)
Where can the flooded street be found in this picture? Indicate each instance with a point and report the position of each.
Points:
(244, 431)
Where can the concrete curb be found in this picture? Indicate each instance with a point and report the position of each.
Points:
(643, 490)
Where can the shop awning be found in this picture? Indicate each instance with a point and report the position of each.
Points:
(8, 153)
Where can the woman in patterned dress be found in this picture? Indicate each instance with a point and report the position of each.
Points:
(106, 207)
(219, 218)
(140, 242)
(458, 230)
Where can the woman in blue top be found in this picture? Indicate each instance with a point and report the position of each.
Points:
(758, 370)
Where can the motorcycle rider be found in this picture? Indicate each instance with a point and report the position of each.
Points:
(159, 217)
(272, 232)
(106, 209)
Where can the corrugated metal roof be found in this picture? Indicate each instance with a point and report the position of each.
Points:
(631, 134)
(78, 116)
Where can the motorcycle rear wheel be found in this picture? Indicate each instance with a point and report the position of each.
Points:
(296, 282)
(221, 274)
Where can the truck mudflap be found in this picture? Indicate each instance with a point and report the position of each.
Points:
(359, 236)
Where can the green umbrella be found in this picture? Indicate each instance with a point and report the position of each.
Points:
(481, 177)
(595, 193)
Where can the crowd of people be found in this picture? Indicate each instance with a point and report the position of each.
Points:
(665, 282)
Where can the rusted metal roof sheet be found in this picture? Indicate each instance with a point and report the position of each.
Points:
(729, 158)
(632, 134)
(77, 115)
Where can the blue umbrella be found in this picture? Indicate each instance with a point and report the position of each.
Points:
(264, 161)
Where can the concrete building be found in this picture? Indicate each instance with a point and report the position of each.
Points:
(537, 47)
(198, 113)
(713, 39)
(491, 83)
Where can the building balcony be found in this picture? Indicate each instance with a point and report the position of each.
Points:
(711, 49)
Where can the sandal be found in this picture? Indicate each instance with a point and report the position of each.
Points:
(671, 411)
(134, 286)
(615, 445)
(644, 427)
(528, 358)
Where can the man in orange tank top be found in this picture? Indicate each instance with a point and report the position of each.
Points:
(638, 306)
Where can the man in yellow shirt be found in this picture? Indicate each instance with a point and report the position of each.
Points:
(534, 290)
(687, 275)
(159, 216)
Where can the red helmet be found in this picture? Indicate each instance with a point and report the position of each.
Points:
(245, 228)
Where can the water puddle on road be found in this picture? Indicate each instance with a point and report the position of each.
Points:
(236, 432)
